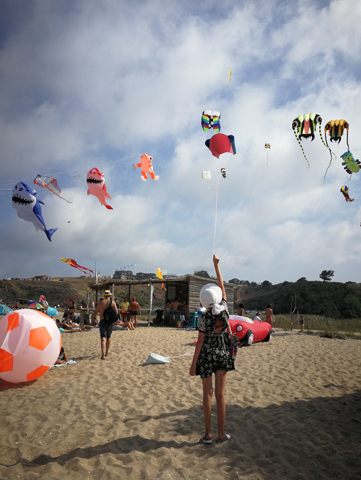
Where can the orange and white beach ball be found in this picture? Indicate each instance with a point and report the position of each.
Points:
(30, 343)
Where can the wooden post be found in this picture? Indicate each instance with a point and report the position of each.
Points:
(150, 302)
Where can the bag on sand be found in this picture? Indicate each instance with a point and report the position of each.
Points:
(110, 315)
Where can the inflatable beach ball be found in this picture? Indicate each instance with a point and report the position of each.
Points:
(29, 345)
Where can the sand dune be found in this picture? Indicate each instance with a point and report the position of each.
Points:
(293, 411)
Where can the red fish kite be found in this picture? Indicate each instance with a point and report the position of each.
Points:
(97, 187)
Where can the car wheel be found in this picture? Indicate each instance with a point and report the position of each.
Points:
(248, 339)
(268, 338)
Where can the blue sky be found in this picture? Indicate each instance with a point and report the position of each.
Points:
(98, 83)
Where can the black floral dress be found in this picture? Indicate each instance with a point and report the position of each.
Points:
(214, 354)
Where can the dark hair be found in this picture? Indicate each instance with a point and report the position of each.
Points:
(61, 350)
(269, 305)
(240, 305)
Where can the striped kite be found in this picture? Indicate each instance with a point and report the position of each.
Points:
(350, 164)
(50, 184)
(210, 120)
(74, 264)
(344, 191)
(304, 126)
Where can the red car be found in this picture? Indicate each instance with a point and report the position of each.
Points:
(250, 331)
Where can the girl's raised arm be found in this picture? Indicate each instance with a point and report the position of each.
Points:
(219, 276)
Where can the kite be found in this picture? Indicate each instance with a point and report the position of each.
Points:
(35, 305)
(229, 77)
(147, 167)
(74, 264)
(50, 184)
(267, 146)
(221, 143)
(223, 172)
(335, 129)
(344, 191)
(97, 187)
(43, 301)
(211, 120)
(160, 275)
(28, 207)
(350, 164)
(206, 175)
(30, 343)
(304, 126)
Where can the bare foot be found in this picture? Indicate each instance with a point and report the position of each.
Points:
(102, 357)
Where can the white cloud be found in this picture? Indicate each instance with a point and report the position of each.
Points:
(99, 84)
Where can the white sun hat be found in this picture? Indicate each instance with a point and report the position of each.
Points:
(210, 294)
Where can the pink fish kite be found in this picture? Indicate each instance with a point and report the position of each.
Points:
(97, 187)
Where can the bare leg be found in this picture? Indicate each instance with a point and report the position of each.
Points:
(108, 346)
(135, 321)
(207, 405)
(221, 403)
(102, 345)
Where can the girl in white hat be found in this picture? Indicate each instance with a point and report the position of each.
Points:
(212, 353)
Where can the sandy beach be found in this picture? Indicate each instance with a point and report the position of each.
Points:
(293, 412)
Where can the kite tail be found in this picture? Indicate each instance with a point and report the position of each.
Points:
(109, 207)
(329, 149)
(299, 143)
(348, 146)
(267, 157)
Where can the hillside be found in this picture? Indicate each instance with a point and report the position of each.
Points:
(331, 299)
(58, 292)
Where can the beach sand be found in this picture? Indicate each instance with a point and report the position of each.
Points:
(293, 412)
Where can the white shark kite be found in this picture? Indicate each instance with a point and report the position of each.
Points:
(28, 207)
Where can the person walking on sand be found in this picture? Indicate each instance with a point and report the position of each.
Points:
(134, 309)
(212, 354)
(269, 314)
(104, 328)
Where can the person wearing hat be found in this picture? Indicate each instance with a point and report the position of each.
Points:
(134, 309)
(212, 354)
(105, 329)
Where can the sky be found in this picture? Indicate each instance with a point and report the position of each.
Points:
(99, 83)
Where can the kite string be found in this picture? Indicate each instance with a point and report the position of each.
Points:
(215, 219)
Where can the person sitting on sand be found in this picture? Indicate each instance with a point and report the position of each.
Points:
(125, 324)
(62, 358)
(65, 328)
(134, 309)
(67, 320)
(240, 309)
(257, 318)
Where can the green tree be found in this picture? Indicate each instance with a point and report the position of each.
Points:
(326, 275)
(202, 273)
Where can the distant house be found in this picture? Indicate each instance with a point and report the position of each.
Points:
(41, 277)
(123, 275)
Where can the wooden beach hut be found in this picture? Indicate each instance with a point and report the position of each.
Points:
(184, 289)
